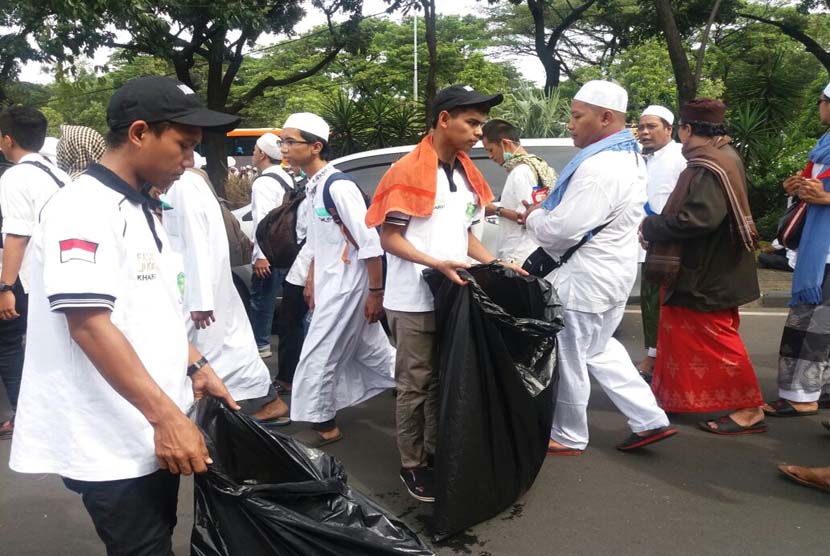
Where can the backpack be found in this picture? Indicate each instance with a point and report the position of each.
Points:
(240, 246)
(331, 208)
(40, 166)
(276, 234)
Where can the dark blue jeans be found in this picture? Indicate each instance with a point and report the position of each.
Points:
(12, 333)
(264, 294)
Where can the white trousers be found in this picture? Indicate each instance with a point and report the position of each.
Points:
(586, 345)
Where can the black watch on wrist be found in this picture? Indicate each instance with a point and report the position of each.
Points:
(191, 370)
(4, 287)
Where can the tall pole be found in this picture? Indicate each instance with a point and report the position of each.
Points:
(415, 43)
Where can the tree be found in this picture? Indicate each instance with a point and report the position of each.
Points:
(795, 23)
(46, 32)
(209, 40)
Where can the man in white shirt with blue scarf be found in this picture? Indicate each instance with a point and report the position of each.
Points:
(599, 194)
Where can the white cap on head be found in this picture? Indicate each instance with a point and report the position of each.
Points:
(660, 112)
(827, 91)
(270, 145)
(310, 123)
(231, 162)
(603, 94)
(198, 160)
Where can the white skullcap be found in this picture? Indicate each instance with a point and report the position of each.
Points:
(198, 160)
(827, 91)
(603, 94)
(231, 162)
(660, 112)
(310, 123)
(270, 145)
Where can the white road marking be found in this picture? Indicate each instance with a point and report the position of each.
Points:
(743, 313)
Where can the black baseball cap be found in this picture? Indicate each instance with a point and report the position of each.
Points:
(161, 99)
(462, 95)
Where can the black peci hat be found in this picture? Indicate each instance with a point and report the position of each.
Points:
(462, 95)
(161, 99)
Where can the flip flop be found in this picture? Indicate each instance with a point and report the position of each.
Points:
(313, 440)
(276, 422)
(783, 408)
(728, 426)
(790, 475)
(635, 441)
(565, 452)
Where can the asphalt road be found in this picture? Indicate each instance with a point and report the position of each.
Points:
(693, 495)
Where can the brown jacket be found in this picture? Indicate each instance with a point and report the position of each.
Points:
(716, 270)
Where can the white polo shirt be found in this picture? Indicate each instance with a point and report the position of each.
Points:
(442, 235)
(97, 246)
(266, 194)
(24, 189)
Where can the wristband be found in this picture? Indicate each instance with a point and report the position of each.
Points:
(376, 289)
(495, 261)
(192, 369)
(498, 211)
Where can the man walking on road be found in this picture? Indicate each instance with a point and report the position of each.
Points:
(24, 189)
(593, 214)
(664, 162)
(267, 193)
(109, 372)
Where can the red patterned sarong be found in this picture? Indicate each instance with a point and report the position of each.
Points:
(702, 364)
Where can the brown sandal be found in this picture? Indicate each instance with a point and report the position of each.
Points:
(813, 481)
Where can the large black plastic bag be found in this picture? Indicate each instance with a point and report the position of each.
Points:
(270, 495)
(497, 385)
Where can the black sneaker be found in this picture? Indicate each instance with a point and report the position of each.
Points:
(418, 482)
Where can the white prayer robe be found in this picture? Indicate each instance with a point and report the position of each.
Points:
(515, 244)
(197, 233)
(593, 286)
(345, 360)
(663, 168)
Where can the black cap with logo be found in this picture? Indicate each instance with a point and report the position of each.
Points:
(462, 95)
(161, 99)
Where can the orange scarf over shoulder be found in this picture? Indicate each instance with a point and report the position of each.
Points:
(409, 185)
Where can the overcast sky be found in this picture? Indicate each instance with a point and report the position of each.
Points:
(529, 66)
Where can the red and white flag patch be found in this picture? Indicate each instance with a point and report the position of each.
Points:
(78, 250)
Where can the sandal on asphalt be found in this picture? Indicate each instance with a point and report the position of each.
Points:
(727, 425)
(783, 408)
(635, 441)
(275, 422)
(312, 439)
(816, 482)
(564, 452)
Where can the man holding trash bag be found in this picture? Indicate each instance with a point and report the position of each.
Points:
(427, 203)
(109, 372)
(596, 207)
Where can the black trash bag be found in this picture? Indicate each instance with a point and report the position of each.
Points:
(498, 376)
(269, 495)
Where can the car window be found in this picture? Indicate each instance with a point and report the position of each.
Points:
(368, 170)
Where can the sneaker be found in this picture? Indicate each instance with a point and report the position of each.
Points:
(265, 351)
(418, 482)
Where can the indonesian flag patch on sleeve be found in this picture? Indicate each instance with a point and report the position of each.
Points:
(78, 250)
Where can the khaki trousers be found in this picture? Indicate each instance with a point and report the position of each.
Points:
(416, 378)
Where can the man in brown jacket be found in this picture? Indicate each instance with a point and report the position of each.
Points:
(701, 250)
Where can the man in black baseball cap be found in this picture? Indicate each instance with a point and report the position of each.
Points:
(108, 332)
(432, 228)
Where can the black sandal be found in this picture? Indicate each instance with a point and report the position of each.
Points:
(783, 408)
(727, 426)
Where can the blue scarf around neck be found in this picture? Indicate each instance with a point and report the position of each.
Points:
(621, 141)
(815, 239)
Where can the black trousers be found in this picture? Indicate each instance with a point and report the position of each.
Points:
(291, 331)
(12, 334)
(134, 517)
